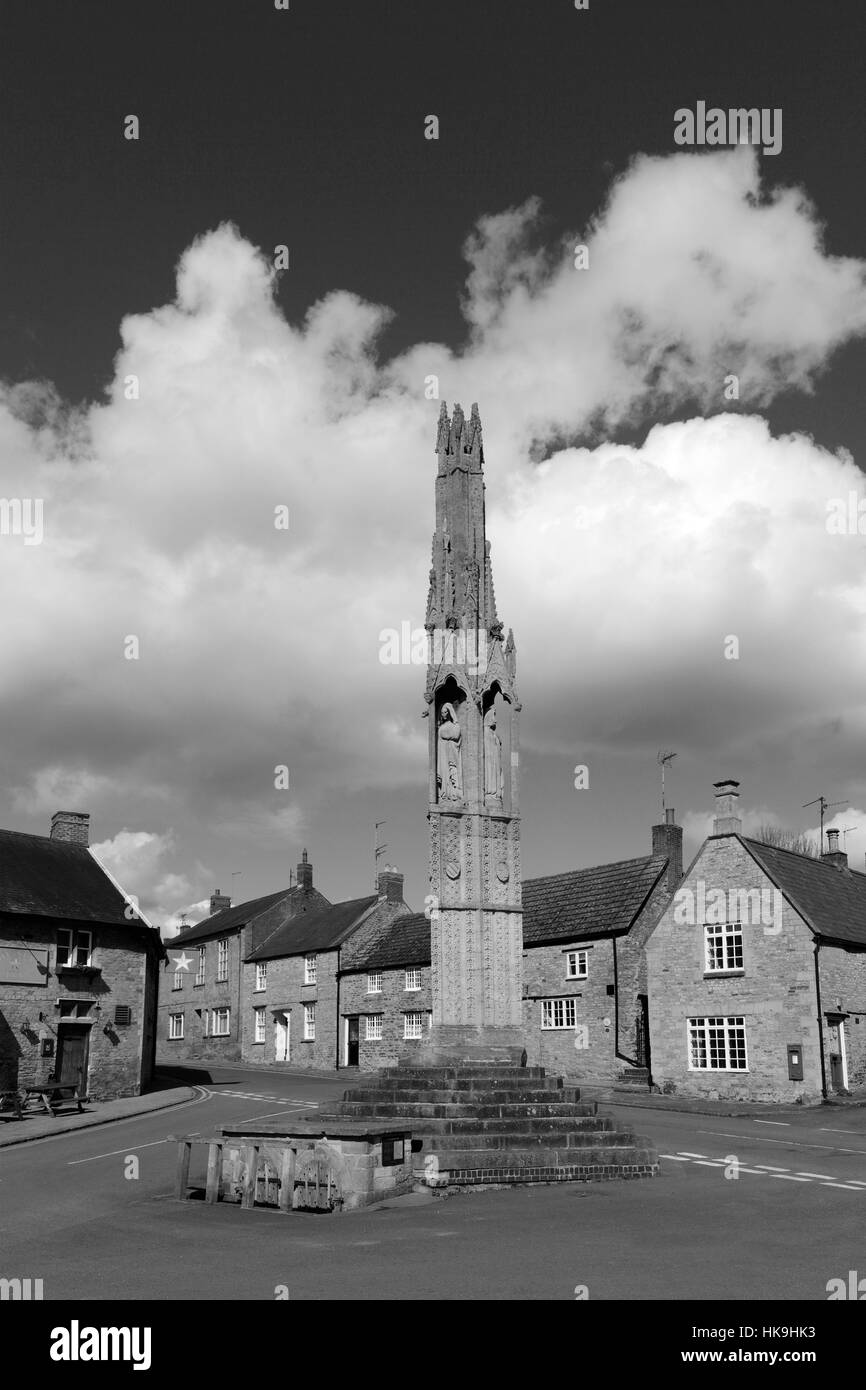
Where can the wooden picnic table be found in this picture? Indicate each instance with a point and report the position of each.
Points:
(52, 1095)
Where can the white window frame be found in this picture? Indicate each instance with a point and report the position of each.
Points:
(414, 975)
(175, 1027)
(311, 970)
(73, 946)
(577, 964)
(215, 1030)
(700, 1045)
(259, 1025)
(559, 1015)
(373, 1029)
(413, 1026)
(261, 975)
(723, 945)
(177, 980)
(374, 982)
(222, 961)
(309, 1022)
(199, 974)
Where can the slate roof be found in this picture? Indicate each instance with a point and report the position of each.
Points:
(232, 917)
(562, 907)
(406, 941)
(831, 900)
(588, 902)
(315, 931)
(42, 877)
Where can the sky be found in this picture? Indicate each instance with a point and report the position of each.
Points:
(232, 444)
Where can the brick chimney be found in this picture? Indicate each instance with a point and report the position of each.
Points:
(834, 855)
(668, 840)
(218, 902)
(727, 820)
(390, 885)
(73, 827)
(305, 873)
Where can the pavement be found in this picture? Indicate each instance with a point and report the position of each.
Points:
(36, 1125)
(757, 1207)
(687, 1105)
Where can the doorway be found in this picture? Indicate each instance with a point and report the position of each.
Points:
(353, 1040)
(282, 1036)
(838, 1053)
(642, 1033)
(71, 1066)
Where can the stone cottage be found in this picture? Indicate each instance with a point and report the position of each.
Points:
(757, 971)
(79, 967)
(201, 1014)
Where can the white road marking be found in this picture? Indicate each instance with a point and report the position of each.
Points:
(114, 1152)
(771, 1168)
(685, 1153)
(709, 1162)
(786, 1123)
(791, 1143)
(846, 1185)
(825, 1177)
(787, 1177)
(678, 1158)
(825, 1129)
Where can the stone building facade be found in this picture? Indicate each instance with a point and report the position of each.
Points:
(292, 986)
(79, 968)
(201, 997)
(386, 996)
(757, 972)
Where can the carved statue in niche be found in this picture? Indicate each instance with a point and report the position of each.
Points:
(493, 778)
(449, 759)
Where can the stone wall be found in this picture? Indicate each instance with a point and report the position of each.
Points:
(775, 994)
(393, 1002)
(843, 986)
(286, 991)
(196, 1002)
(115, 1062)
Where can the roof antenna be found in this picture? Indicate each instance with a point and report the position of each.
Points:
(378, 851)
(663, 760)
(825, 806)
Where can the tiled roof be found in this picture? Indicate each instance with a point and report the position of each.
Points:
(406, 941)
(233, 917)
(53, 878)
(832, 901)
(562, 907)
(315, 931)
(588, 902)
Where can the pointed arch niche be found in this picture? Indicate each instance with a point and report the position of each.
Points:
(451, 744)
(497, 732)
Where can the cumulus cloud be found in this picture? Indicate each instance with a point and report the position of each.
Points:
(622, 568)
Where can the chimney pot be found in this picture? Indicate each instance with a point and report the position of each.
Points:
(390, 884)
(727, 819)
(838, 858)
(305, 873)
(218, 902)
(72, 827)
(668, 840)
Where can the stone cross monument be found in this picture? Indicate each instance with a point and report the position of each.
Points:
(474, 897)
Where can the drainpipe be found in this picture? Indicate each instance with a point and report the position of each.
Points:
(339, 1029)
(820, 1024)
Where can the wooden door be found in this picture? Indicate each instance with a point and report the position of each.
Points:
(71, 1066)
(353, 1038)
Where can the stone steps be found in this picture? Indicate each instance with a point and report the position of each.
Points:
(497, 1123)
(371, 1095)
(447, 1110)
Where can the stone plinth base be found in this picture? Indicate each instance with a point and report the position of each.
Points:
(499, 1124)
(451, 1044)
